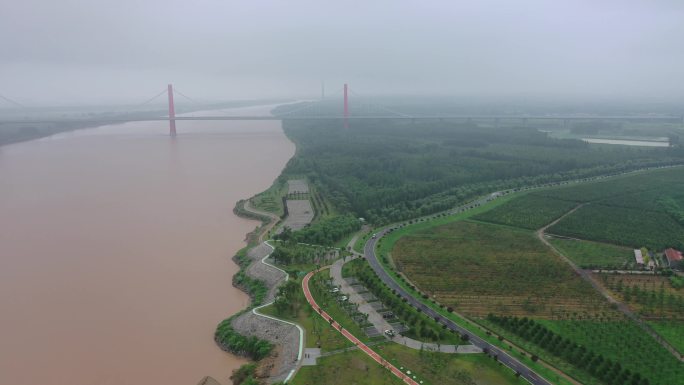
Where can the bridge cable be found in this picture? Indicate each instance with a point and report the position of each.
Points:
(151, 99)
(12, 101)
(185, 96)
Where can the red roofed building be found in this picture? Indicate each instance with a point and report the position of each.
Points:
(674, 258)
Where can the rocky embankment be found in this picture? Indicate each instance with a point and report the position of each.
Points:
(283, 359)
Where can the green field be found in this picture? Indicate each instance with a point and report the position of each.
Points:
(666, 181)
(583, 339)
(442, 368)
(481, 268)
(588, 254)
(529, 211)
(626, 343)
(271, 199)
(672, 331)
(623, 226)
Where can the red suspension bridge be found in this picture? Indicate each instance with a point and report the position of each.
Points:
(324, 110)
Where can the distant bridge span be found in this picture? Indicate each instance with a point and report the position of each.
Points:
(386, 114)
(352, 117)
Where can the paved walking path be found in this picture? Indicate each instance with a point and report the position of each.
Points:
(370, 352)
(288, 335)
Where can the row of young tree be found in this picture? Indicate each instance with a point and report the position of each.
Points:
(326, 231)
(289, 252)
(654, 301)
(608, 371)
(421, 326)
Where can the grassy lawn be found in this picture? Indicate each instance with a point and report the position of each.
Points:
(588, 254)
(672, 331)
(481, 268)
(349, 368)
(442, 368)
(318, 333)
(271, 199)
(529, 211)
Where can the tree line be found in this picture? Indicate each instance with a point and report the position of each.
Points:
(608, 371)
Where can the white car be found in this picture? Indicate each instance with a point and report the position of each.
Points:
(389, 333)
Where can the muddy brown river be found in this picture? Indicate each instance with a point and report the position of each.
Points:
(115, 247)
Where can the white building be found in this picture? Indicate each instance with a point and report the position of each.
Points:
(638, 257)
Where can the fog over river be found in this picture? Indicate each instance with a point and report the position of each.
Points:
(115, 247)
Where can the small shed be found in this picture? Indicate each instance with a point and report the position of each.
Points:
(674, 258)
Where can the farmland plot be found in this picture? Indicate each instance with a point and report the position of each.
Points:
(529, 212)
(588, 254)
(481, 268)
(622, 226)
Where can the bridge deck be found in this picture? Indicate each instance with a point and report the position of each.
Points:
(360, 117)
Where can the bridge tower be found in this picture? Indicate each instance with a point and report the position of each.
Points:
(346, 107)
(172, 112)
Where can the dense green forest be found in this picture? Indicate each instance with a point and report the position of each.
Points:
(386, 170)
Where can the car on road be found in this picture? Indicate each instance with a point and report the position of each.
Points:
(389, 333)
(374, 236)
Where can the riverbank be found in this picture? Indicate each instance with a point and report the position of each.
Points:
(261, 281)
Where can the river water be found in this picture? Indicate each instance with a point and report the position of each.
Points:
(629, 142)
(115, 246)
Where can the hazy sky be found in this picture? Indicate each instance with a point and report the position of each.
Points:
(128, 50)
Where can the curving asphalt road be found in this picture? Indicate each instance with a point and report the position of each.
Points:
(503, 357)
(364, 348)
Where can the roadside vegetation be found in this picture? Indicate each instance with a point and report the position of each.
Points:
(420, 326)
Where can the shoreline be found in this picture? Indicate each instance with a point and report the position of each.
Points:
(260, 281)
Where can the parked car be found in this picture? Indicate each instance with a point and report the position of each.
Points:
(389, 333)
